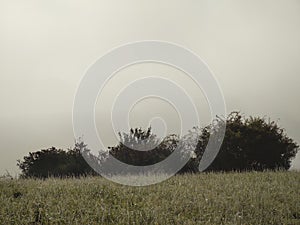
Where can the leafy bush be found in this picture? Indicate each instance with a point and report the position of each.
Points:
(130, 149)
(250, 144)
(54, 162)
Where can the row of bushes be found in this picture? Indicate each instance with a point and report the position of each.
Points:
(250, 144)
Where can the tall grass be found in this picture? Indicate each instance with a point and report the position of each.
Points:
(207, 198)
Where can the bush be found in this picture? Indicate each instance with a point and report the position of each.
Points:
(131, 149)
(250, 144)
(54, 162)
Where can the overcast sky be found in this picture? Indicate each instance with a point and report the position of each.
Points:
(252, 47)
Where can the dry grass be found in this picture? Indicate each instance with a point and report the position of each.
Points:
(212, 198)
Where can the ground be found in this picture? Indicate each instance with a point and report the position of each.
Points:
(206, 198)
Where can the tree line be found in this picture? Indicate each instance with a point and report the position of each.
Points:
(250, 143)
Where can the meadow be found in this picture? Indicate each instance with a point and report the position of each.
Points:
(206, 198)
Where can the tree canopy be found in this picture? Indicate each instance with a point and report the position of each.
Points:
(252, 143)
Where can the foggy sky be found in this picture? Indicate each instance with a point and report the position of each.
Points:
(252, 47)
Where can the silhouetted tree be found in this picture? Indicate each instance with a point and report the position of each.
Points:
(250, 144)
(142, 147)
(55, 162)
(128, 150)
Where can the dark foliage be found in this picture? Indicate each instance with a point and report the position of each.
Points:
(131, 149)
(250, 144)
(54, 162)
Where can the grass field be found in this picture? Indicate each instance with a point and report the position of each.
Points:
(207, 198)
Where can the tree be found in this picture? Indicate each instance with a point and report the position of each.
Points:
(250, 144)
(55, 162)
(128, 152)
(142, 147)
